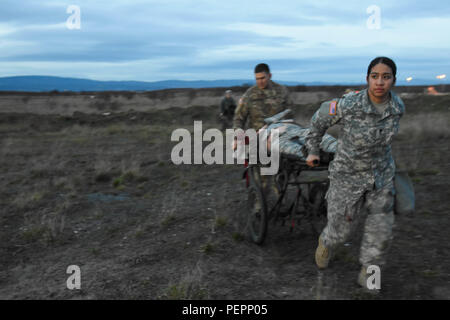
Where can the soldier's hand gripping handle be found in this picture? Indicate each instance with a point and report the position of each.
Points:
(312, 160)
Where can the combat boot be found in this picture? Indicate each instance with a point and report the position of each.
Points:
(362, 277)
(323, 255)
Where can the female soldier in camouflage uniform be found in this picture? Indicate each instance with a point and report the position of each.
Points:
(362, 171)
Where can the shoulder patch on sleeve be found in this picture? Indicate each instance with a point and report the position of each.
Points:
(333, 108)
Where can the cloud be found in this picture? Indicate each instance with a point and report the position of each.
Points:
(157, 40)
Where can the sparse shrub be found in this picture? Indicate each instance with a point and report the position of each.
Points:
(35, 233)
(430, 273)
(104, 170)
(177, 292)
(168, 219)
(161, 164)
(56, 221)
(80, 140)
(188, 288)
(220, 222)
(207, 248)
(139, 234)
(113, 230)
(237, 236)
(148, 195)
(416, 180)
(117, 182)
(185, 184)
(428, 172)
(45, 228)
(60, 182)
(141, 186)
(24, 200)
(115, 129)
(98, 213)
(95, 251)
(129, 176)
(37, 196)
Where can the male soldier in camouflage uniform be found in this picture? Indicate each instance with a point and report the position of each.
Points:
(227, 108)
(362, 171)
(265, 99)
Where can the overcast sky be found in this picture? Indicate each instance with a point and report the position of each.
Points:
(302, 41)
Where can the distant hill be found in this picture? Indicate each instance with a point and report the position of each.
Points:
(50, 83)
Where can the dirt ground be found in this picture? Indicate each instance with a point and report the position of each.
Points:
(100, 192)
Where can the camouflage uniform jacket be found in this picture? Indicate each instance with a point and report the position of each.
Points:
(363, 158)
(227, 106)
(257, 104)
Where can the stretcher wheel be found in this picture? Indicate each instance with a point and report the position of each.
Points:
(257, 208)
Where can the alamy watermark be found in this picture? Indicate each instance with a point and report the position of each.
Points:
(260, 147)
(74, 281)
(374, 20)
(74, 21)
(374, 281)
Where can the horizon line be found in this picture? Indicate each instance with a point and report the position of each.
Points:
(355, 82)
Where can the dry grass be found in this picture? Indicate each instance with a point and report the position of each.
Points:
(189, 287)
(45, 227)
(28, 199)
(422, 127)
(104, 170)
(422, 132)
(169, 208)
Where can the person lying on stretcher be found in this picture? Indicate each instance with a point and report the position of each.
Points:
(292, 136)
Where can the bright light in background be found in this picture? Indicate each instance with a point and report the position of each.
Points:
(442, 76)
(409, 79)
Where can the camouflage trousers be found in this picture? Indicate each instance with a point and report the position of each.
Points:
(345, 211)
(226, 122)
